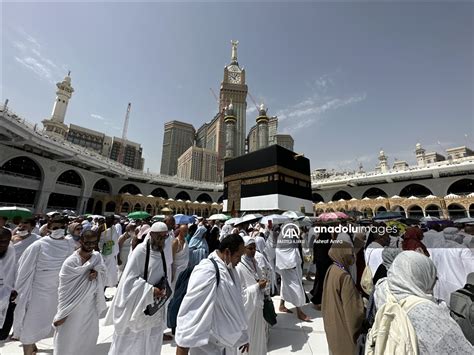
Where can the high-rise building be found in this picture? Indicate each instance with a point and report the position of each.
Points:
(178, 137)
(285, 141)
(233, 90)
(132, 155)
(198, 164)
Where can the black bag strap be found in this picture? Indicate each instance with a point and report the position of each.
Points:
(218, 274)
(147, 261)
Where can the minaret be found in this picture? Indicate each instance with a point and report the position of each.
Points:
(383, 162)
(262, 127)
(229, 121)
(55, 125)
(420, 155)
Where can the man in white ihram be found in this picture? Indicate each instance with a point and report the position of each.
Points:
(136, 332)
(80, 300)
(37, 285)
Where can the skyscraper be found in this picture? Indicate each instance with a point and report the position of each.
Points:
(178, 137)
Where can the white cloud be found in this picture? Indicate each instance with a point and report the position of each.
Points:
(99, 117)
(36, 66)
(31, 58)
(310, 110)
(251, 109)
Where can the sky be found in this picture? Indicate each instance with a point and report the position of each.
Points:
(346, 79)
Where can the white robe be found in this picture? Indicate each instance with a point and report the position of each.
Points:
(373, 256)
(288, 264)
(212, 318)
(21, 245)
(453, 265)
(135, 332)
(253, 302)
(37, 286)
(110, 260)
(180, 263)
(7, 281)
(81, 301)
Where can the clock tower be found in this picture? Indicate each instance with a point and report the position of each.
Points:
(234, 90)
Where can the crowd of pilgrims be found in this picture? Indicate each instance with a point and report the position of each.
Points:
(212, 284)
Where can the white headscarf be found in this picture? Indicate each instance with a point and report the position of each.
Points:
(412, 273)
(248, 240)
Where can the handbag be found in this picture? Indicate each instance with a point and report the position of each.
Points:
(269, 313)
(366, 281)
(163, 284)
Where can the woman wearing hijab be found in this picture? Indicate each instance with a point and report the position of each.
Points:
(412, 241)
(322, 260)
(413, 274)
(388, 255)
(253, 289)
(198, 248)
(342, 306)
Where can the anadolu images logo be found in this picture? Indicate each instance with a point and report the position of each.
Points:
(290, 231)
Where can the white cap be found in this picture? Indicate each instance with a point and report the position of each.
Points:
(159, 227)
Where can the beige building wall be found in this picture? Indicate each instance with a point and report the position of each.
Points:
(178, 136)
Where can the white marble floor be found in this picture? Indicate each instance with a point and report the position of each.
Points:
(290, 335)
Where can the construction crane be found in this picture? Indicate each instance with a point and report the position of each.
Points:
(124, 135)
(254, 102)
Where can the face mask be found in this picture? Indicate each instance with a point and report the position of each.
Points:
(76, 237)
(22, 233)
(58, 233)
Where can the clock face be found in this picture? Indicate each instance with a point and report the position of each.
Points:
(234, 78)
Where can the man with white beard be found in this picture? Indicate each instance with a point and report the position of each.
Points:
(80, 300)
(253, 289)
(211, 318)
(37, 285)
(288, 264)
(7, 282)
(109, 248)
(137, 331)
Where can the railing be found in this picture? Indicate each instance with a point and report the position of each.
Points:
(81, 152)
(6, 172)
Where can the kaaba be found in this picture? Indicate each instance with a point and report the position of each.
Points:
(272, 179)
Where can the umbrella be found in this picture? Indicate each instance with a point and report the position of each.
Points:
(430, 219)
(305, 222)
(138, 215)
(183, 219)
(218, 217)
(13, 211)
(341, 215)
(295, 215)
(68, 213)
(232, 221)
(158, 218)
(249, 218)
(52, 213)
(328, 216)
(401, 227)
(465, 220)
(388, 215)
(276, 219)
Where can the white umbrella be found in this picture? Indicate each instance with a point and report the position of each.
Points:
(294, 215)
(465, 220)
(430, 219)
(305, 222)
(276, 219)
(232, 221)
(249, 218)
(218, 217)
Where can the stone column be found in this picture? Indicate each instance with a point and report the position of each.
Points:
(42, 201)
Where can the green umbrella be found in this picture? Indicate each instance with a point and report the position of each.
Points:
(138, 215)
(13, 211)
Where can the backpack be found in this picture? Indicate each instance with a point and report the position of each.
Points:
(180, 291)
(392, 332)
(366, 281)
(462, 310)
